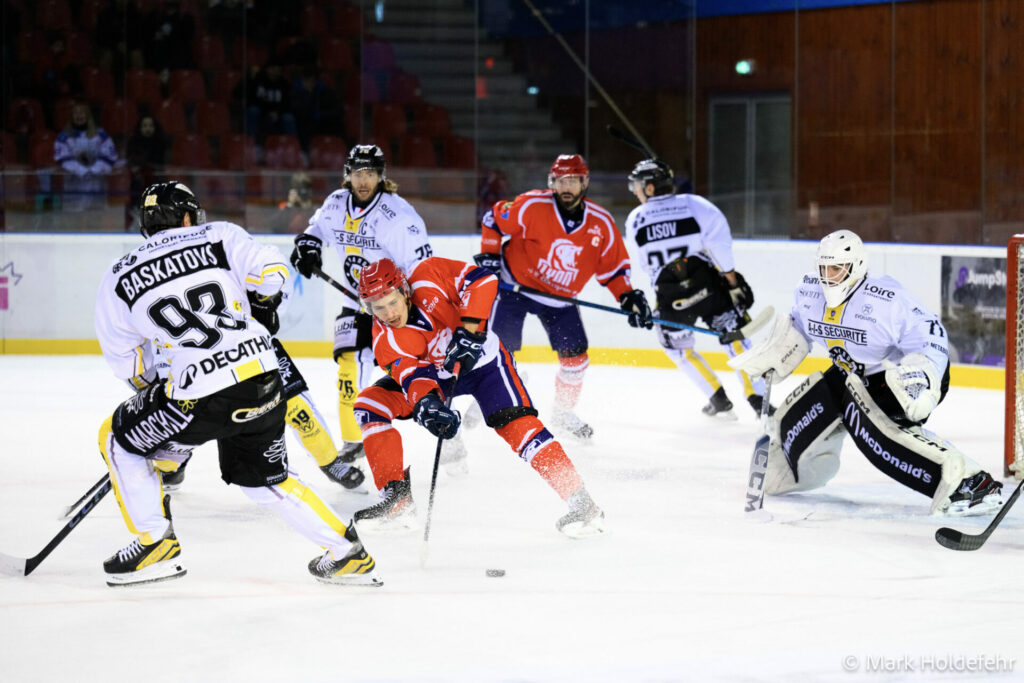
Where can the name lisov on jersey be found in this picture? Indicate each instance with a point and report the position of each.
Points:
(170, 266)
(828, 331)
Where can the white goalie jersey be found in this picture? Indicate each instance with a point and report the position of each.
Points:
(387, 228)
(184, 290)
(669, 226)
(879, 321)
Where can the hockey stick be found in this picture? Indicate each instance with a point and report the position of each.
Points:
(334, 283)
(74, 506)
(623, 136)
(725, 337)
(425, 546)
(17, 566)
(958, 540)
(759, 459)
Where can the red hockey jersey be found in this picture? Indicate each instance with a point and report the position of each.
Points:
(443, 292)
(546, 254)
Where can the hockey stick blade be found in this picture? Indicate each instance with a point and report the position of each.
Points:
(958, 540)
(759, 321)
(13, 566)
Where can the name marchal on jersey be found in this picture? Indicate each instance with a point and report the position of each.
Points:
(667, 227)
(184, 290)
(879, 321)
(387, 228)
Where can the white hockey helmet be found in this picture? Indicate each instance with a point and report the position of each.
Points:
(842, 249)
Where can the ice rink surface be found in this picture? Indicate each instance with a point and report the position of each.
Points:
(847, 583)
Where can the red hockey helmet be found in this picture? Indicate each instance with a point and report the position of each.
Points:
(568, 164)
(379, 279)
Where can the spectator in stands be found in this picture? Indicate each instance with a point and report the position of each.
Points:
(269, 103)
(119, 38)
(296, 211)
(145, 154)
(316, 107)
(87, 153)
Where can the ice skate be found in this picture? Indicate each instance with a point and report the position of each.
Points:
(395, 511)
(172, 481)
(139, 563)
(356, 568)
(340, 472)
(719, 406)
(472, 416)
(351, 451)
(756, 402)
(977, 495)
(570, 422)
(454, 457)
(584, 517)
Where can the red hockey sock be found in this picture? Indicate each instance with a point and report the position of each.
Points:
(558, 471)
(569, 380)
(383, 446)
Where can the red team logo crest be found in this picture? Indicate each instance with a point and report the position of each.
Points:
(560, 265)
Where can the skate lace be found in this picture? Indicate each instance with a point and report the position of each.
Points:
(325, 561)
(131, 550)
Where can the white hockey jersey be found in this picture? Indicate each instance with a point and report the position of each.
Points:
(184, 290)
(669, 226)
(387, 228)
(879, 321)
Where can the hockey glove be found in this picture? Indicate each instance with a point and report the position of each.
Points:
(635, 303)
(264, 310)
(491, 262)
(915, 384)
(465, 349)
(437, 418)
(742, 295)
(306, 255)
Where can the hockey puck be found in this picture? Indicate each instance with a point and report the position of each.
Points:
(495, 572)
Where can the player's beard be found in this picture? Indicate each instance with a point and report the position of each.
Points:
(572, 203)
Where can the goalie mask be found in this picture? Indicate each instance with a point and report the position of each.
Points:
(165, 205)
(842, 264)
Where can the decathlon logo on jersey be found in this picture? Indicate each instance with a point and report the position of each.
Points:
(222, 359)
(560, 265)
(829, 331)
(171, 266)
(852, 419)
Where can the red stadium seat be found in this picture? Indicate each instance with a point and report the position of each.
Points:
(224, 82)
(353, 114)
(62, 112)
(187, 85)
(431, 120)
(327, 151)
(459, 152)
(98, 84)
(40, 148)
(191, 150)
(348, 21)
(238, 152)
(119, 116)
(79, 47)
(388, 121)
(9, 148)
(54, 15)
(171, 116)
(378, 56)
(403, 88)
(212, 118)
(336, 54)
(90, 12)
(143, 85)
(29, 45)
(417, 151)
(25, 115)
(313, 21)
(283, 151)
(209, 52)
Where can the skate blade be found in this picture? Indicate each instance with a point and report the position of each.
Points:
(151, 574)
(371, 580)
(456, 469)
(724, 415)
(579, 530)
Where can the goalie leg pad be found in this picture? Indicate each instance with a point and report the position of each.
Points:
(804, 452)
(914, 457)
(782, 351)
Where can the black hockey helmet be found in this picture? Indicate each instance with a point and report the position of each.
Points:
(365, 156)
(653, 171)
(164, 205)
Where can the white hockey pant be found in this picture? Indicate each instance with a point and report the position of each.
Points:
(679, 346)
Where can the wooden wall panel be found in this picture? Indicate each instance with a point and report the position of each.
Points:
(1004, 120)
(843, 119)
(937, 118)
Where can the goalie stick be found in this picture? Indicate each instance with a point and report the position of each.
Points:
(762, 319)
(759, 459)
(958, 540)
(18, 566)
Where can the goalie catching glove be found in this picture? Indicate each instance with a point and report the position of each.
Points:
(915, 384)
(782, 351)
(437, 418)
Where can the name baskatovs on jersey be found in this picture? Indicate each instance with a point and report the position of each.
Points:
(185, 291)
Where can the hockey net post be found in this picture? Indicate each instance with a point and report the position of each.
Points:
(1013, 432)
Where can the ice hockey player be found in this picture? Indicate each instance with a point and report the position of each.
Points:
(555, 241)
(186, 290)
(430, 334)
(890, 369)
(685, 246)
(365, 220)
